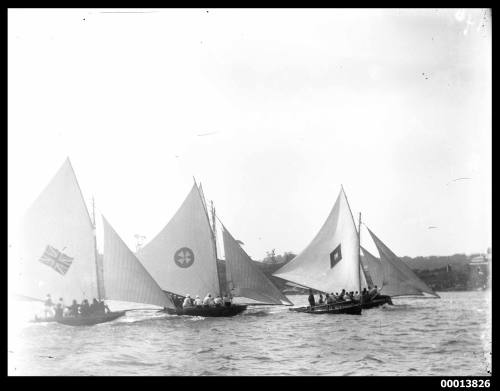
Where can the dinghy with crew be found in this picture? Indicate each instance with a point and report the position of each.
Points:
(183, 258)
(331, 262)
(58, 254)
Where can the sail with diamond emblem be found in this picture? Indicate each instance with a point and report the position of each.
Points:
(330, 262)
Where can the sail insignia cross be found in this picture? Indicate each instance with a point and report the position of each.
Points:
(56, 259)
(335, 256)
(184, 257)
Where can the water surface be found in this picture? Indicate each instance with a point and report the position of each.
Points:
(447, 336)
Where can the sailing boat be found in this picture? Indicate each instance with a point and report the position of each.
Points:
(245, 279)
(183, 258)
(58, 254)
(390, 273)
(331, 262)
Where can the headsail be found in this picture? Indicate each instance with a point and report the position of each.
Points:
(399, 279)
(57, 250)
(124, 276)
(245, 278)
(374, 269)
(330, 262)
(181, 258)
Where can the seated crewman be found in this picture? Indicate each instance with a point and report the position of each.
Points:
(187, 302)
(198, 302)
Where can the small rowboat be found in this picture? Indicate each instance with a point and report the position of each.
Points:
(348, 308)
(233, 310)
(91, 319)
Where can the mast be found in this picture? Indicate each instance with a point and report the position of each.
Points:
(100, 292)
(212, 208)
(202, 198)
(359, 257)
(214, 233)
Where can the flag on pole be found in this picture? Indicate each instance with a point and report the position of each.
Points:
(56, 259)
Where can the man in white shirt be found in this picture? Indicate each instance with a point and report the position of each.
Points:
(187, 302)
(218, 301)
(198, 302)
(208, 301)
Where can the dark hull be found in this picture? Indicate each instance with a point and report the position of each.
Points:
(350, 309)
(377, 302)
(235, 309)
(90, 320)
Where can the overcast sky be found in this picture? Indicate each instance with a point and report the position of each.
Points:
(272, 110)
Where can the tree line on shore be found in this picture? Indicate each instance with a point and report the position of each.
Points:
(441, 273)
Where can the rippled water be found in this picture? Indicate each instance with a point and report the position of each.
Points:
(447, 336)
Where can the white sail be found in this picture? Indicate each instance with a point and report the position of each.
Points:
(181, 258)
(124, 277)
(365, 277)
(398, 278)
(245, 278)
(373, 268)
(330, 262)
(57, 250)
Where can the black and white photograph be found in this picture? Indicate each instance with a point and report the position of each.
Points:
(254, 192)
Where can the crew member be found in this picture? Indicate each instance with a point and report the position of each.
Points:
(311, 299)
(187, 302)
(198, 302)
(48, 306)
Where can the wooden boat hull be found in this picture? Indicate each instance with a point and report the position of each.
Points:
(377, 302)
(351, 309)
(233, 310)
(90, 320)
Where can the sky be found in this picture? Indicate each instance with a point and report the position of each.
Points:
(272, 110)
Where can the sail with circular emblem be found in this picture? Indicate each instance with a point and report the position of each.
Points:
(330, 262)
(181, 258)
(56, 252)
(124, 277)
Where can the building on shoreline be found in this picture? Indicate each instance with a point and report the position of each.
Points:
(480, 271)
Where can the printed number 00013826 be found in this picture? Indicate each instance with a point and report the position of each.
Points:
(466, 383)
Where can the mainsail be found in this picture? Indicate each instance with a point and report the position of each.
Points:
(57, 251)
(181, 258)
(124, 276)
(330, 262)
(245, 278)
(392, 274)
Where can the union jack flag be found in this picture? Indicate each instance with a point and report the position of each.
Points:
(56, 259)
